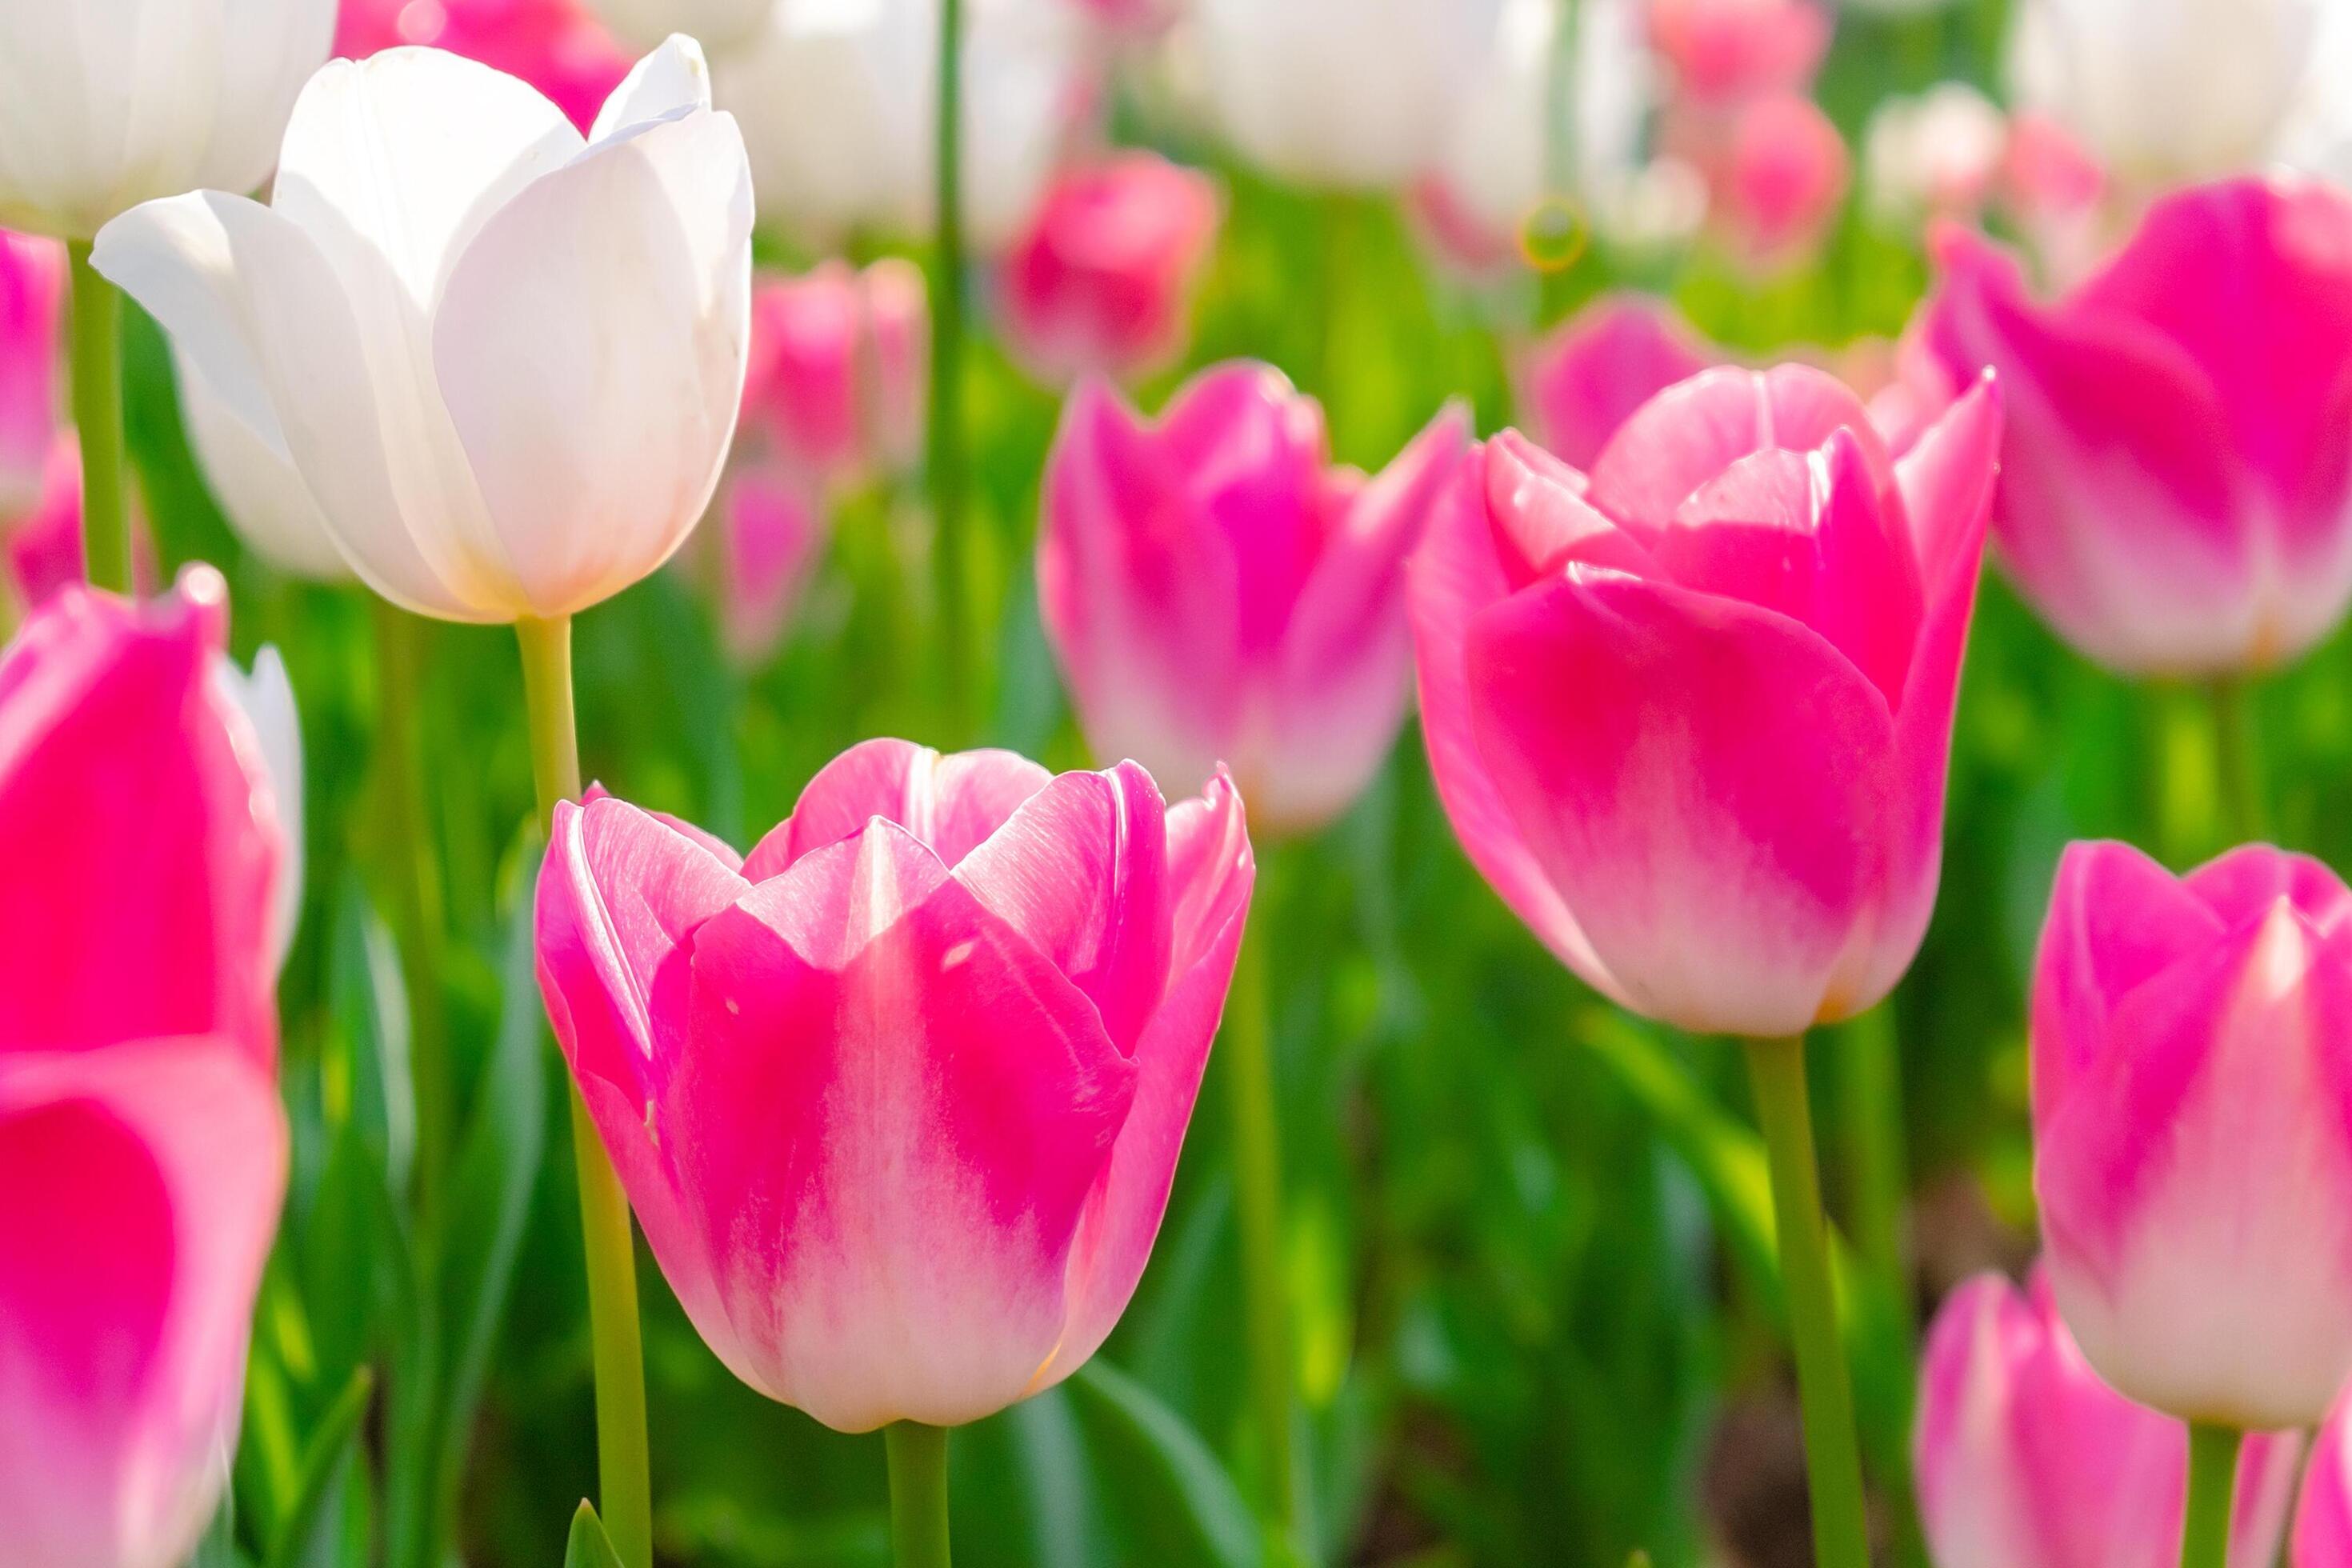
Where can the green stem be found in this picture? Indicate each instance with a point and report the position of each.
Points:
(919, 1494)
(412, 873)
(97, 334)
(1776, 1070)
(624, 1471)
(2237, 739)
(2212, 1482)
(1248, 1058)
(947, 462)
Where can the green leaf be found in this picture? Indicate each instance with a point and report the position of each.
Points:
(1169, 1488)
(370, 1084)
(322, 1460)
(588, 1546)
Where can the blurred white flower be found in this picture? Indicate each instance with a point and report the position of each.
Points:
(720, 26)
(266, 699)
(107, 103)
(2318, 136)
(1940, 151)
(506, 363)
(838, 101)
(255, 485)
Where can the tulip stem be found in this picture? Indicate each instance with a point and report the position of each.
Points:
(919, 1494)
(624, 1470)
(97, 337)
(946, 463)
(1776, 1071)
(2212, 1483)
(1248, 1057)
(412, 871)
(2238, 739)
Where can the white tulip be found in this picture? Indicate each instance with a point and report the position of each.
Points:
(1350, 93)
(2165, 90)
(255, 485)
(839, 102)
(1940, 151)
(720, 26)
(107, 103)
(506, 363)
(266, 699)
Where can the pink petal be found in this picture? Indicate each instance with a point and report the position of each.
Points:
(1541, 520)
(1585, 381)
(2245, 882)
(951, 803)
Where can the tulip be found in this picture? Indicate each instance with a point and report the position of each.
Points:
(1584, 382)
(1725, 51)
(32, 297)
(2025, 1460)
(1097, 284)
(1759, 854)
(43, 547)
(1781, 179)
(506, 363)
(554, 44)
(265, 696)
(2192, 1117)
(103, 107)
(2175, 493)
(769, 531)
(1001, 987)
(2322, 1515)
(1345, 94)
(722, 26)
(839, 104)
(834, 389)
(1216, 591)
(144, 1180)
(255, 485)
(1941, 152)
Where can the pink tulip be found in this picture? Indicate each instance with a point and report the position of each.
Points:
(32, 304)
(2322, 1516)
(1690, 714)
(2192, 1119)
(136, 819)
(2176, 491)
(42, 550)
(837, 370)
(1725, 51)
(898, 1098)
(768, 531)
(1098, 284)
(1781, 179)
(1217, 592)
(2025, 1460)
(1582, 383)
(556, 46)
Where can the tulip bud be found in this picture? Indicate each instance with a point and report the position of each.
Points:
(553, 45)
(838, 367)
(1690, 715)
(2025, 1460)
(1782, 180)
(505, 362)
(106, 106)
(1216, 591)
(32, 297)
(1000, 988)
(1723, 52)
(1582, 383)
(765, 535)
(2192, 1122)
(2175, 488)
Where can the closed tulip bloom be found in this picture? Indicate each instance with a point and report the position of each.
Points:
(255, 485)
(837, 373)
(766, 533)
(1781, 180)
(1583, 382)
(144, 1181)
(1725, 51)
(2175, 488)
(32, 300)
(1100, 281)
(1218, 593)
(505, 362)
(106, 106)
(897, 1098)
(2025, 1460)
(722, 26)
(1690, 714)
(555, 45)
(1356, 94)
(2192, 1122)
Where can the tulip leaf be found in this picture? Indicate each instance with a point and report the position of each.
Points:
(1182, 1494)
(588, 1546)
(323, 1457)
(372, 1086)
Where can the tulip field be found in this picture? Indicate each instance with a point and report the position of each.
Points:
(1191, 784)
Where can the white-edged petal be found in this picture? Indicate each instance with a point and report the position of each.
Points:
(672, 80)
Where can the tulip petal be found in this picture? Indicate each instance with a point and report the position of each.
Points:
(613, 289)
(2249, 880)
(1700, 779)
(952, 804)
(1587, 379)
(673, 81)
(1541, 520)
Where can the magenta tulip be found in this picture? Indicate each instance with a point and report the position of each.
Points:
(2322, 1515)
(1099, 282)
(1729, 51)
(1780, 179)
(2025, 1460)
(838, 371)
(897, 1098)
(1218, 591)
(766, 532)
(1583, 382)
(2176, 490)
(2192, 1118)
(32, 307)
(1690, 714)
(556, 46)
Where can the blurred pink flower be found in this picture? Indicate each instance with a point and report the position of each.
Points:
(999, 988)
(556, 46)
(2025, 1460)
(1579, 385)
(1781, 181)
(1100, 281)
(767, 530)
(43, 545)
(1217, 592)
(2176, 490)
(1690, 714)
(2322, 1515)
(1727, 51)
(32, 308)
(837, 370)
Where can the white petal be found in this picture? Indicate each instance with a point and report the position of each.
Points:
(254, 481)
(267, 699)
(591, 347)
(673, 79)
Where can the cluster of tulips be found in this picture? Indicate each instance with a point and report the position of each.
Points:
(897, 1096)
